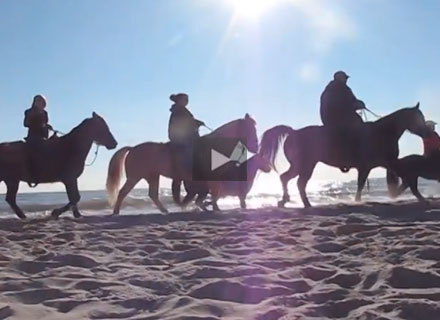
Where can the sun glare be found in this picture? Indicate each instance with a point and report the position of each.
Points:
(251, 9)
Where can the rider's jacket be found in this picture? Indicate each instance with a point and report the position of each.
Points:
(339, 105)
(182, 127)
(431, 144)
(37, 121)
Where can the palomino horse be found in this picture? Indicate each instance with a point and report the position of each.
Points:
(150, 160)
(306, 147)
(64, 160)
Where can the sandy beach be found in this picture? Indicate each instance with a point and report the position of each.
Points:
(372, 261)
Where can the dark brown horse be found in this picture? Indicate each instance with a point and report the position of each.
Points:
(306, 147)
(64, 160)
(148, 161)
(410, 169)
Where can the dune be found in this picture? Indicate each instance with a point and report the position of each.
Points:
(369, 261)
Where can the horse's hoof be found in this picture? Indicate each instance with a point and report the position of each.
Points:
(281, 204)
(77, 215)
(22, 216)
(55, 214)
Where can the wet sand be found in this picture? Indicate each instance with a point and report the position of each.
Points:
(372, 261)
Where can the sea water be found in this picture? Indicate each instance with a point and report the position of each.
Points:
(138, 202)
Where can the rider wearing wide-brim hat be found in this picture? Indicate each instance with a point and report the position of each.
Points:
(182, 127)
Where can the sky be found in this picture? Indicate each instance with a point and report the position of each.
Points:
(270, 58)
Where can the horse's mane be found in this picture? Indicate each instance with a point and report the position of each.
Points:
(391, 117)
(77, 128)
(224, 127)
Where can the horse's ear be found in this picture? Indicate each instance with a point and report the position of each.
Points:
(247, 116)
(94, 114)
(417, 105)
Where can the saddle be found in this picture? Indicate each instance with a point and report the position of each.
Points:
(38, 150)
(348, 145)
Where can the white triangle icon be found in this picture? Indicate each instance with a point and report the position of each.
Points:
(218, 159)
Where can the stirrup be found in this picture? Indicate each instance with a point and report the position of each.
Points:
(32, 184)
(344, 169)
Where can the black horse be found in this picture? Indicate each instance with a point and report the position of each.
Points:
(410, 168)
(64, 161)
(306, 147)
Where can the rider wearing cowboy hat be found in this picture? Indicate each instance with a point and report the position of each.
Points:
(339, 104)
(339, 113)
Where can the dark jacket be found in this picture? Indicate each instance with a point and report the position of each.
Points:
(182, 127)
(339, 105)
(37, 122)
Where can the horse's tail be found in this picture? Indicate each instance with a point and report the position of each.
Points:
(114, 174)
(393, 181)
(271, 141)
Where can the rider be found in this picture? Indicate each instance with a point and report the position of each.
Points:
(37, 121)
(338, 110)
(183, 128)
(431, 143)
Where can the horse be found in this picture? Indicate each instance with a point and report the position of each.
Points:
(410, 169)
(240, 189)
(150, 160)
(306, 147)
(64, 161)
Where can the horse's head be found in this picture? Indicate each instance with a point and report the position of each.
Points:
(244, 129)
(100, 132)
(248, 130)
(416, 121)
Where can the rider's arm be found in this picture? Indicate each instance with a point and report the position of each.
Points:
(26, 119)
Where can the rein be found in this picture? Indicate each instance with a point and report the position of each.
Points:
(95, 156)
(374, 114)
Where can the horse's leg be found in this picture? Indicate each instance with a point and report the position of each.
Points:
(303, 179)
(215, 206)
(362, 178)
(413, 185)
(125, 190)
(153, 192)
(11, 198)
(291, 173)
(200, 200)
(190, 194)
(74, 197)
(402, 188)
(243, 202)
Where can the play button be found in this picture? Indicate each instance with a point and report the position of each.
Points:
(218, 159)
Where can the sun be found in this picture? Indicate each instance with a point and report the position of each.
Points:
(251, 9)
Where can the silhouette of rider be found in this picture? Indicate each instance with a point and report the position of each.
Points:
(431, 142)
(183, 128)
(339, 112)
(37, 121)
